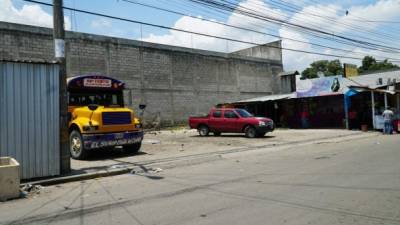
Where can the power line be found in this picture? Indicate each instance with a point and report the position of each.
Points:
(237, 27)
(228, 6)
(358, 18)
(234, 26)
(361, 19)
(252, 23)
(293, 8)
(192, 32)
(196, 5)
(233, 8)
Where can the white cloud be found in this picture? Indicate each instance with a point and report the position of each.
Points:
(28, 14)
(208, 43)
(381, 10)
(101, 23)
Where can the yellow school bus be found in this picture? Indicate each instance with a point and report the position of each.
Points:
(98, 117)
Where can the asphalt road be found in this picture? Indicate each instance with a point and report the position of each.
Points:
(352, 182)
(168, 144)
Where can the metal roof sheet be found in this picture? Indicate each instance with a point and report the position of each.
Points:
(269, 98)
(28, 60)
(370, 80)
(287, 73)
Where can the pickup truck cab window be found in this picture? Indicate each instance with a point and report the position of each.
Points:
(230, 114)
(243, 113)
(217, 114)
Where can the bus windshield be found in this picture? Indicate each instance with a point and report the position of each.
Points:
(103, 98)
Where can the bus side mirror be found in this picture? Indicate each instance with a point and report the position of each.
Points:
(69, 116)
(93, 107)
(142, 106)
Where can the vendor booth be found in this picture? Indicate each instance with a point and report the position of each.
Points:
(332, 102)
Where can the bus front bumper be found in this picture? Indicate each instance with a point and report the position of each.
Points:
(93, 141)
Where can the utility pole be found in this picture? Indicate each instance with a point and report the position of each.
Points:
(59, 53)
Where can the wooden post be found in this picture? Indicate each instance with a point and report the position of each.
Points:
(346, 111)
(386, 101)
(59, 53)
(373, 108)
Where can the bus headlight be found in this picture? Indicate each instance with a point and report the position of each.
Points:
(90, 128)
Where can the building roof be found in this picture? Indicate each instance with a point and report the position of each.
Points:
(363, 82)
(371, 80)
(288, 73)
(34, 61)
(269, 98)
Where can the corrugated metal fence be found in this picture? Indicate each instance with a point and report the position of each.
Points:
(29, 112)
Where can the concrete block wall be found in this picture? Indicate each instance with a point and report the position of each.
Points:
(173, 82)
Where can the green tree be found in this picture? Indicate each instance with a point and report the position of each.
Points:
(328, 68)
(369, 64)
(334, 68)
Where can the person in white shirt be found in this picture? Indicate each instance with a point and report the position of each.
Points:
(387, 119)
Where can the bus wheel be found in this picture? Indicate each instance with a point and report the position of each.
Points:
(76, 148)
(134, 148)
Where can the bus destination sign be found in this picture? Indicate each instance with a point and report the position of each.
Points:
(90, 82)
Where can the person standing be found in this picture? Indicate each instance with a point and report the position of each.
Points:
(388, 120)
(304, 115)
(353, 123)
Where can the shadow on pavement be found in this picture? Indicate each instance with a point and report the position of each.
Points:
(105, 154)
(231, 136)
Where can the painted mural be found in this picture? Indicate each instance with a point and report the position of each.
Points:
(319, 86)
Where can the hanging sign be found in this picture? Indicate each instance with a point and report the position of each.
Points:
(59, 48)
(89, 82)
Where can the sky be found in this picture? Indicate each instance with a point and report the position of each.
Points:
(339, 17)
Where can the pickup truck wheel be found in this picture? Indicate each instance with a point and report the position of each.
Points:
(217, 133)
(133, 148)
(203, 130)
(250, 132)
(76, 147)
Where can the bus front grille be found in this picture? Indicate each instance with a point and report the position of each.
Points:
(115, 118)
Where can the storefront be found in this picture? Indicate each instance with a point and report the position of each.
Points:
(332, 102)
(370, 104)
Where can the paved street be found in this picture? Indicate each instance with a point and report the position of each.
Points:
(348, 182)
(170, 144)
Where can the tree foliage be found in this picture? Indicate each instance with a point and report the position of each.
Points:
(335, 67)
(328, 68)
(369, 64)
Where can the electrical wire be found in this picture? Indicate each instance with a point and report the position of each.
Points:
(250, 23)
(249, 12)
(192, 32)
(238, 27)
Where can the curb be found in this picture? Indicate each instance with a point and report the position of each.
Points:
(177, 162)
(144, 168)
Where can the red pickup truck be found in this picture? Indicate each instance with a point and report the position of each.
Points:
(230, 120)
